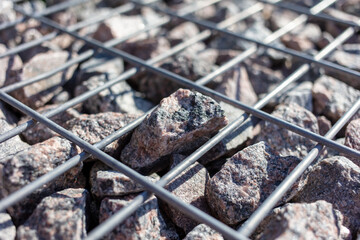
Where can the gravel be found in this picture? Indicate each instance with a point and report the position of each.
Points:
(26, 166)
(317, 220)
(337, 181)
(177, 124)
(62, 215)
(285, 142)
(146, 223)
(352, 138)
(246, 180)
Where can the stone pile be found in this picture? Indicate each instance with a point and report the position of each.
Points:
(231, 180)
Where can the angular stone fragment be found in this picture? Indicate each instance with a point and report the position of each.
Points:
(236, 85)
(263, 78)
(14, 144)
(7, 228)
(298, 43)
(203, 232)
(10, 67)
(333, 98)
(7, 14)
(283, 141)
(231, 143)
(95, 127)
(324, 125)
(189, 186)
(337, 181)
(246, 180)
(183, 31)
(122, 26)
(39, 132)
(177, 124)
(28, 165)
(118, 98)
(317, 220)
(106, 182)
(352, 138)
(61, 215)
(29, 35)
(187, 65)
(39, 93)
(299, 94)
(146, 48)
(146, 223)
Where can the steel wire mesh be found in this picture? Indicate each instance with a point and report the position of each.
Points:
(140, 65)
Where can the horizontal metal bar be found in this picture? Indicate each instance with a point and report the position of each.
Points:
(186, 82)
(160, 192)
(17, 130)
(122, 214)
(255, 219)
(22, 47)
(304, 10)
(294, 53)
(53, 9)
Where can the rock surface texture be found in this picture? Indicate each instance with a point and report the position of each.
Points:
(62, 215)
(189, 186)
(352, 138)
(12, 145)
(333, 98)
(177, 124)
(26, 166)
(39, 132)
(95, 127)
(146, 223)
(203, 232)
(246, 180)
(337, 181)
(317, 220)
(285, 142)
(106, 182)
(7, 228)
(38, 94)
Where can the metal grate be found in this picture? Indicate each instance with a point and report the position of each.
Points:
(185, 14)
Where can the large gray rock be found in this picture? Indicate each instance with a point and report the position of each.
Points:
(146, 223)
(203, 232)
(181, 122)
(189, 186)
(283, 141)
(61, 215)
(317, 220)
(95, 127)
(38, 94)
(337, 181)
(333, 98)
(106, 182)
(26, 166)
(246, 180)
(7, 228)
(352, 138)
